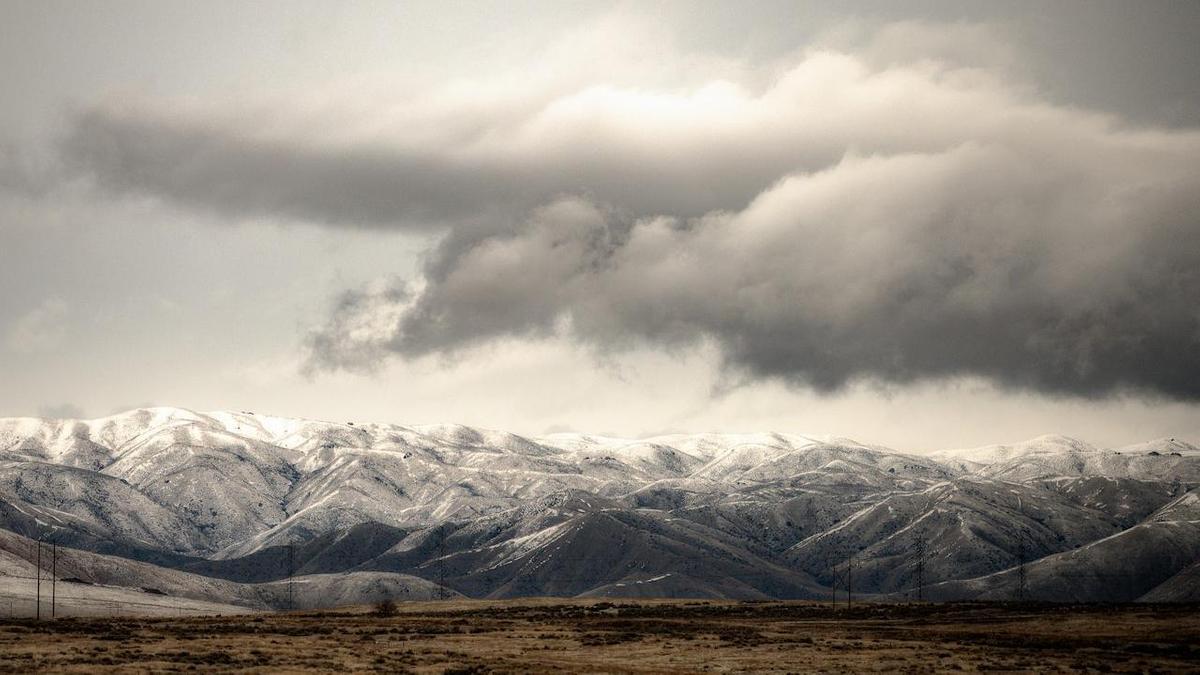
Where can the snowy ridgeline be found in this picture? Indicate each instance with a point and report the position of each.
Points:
(228, 504)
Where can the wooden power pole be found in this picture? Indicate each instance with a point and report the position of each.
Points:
(1020, 595)
(291, 588)
(850, 581)
(38, 611)
(53, 577)
(920, 569)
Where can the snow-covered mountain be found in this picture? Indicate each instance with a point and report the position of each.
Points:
(252, 499)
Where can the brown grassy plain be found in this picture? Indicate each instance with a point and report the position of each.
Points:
(538, 635)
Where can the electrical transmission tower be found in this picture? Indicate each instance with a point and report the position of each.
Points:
(920, 571)
(38, 583)
(291, 573)
(1020, 594)
(441, 562)
(850, 581)
(833, 588)
(832, 558)
(53, 578)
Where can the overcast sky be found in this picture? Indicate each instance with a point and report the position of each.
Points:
(920, 224)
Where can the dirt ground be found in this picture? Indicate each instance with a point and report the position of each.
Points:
(624, 636)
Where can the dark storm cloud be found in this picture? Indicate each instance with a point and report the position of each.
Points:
(975, 261)
(237, 174)
(859, 217)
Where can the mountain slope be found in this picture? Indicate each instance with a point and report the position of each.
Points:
(1127, 566)
(246, 501)
(968, 527)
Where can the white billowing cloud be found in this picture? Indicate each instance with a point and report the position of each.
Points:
(42, 329)
(361, 328)
(862, 212)
(487, 149)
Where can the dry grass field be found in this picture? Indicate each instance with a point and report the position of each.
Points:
(620, 636)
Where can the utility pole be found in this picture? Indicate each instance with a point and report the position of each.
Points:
(830, 566)
(441, 570)
(850, 581)
(920, 569)
(833, 587)
(53, 577)
(1021, 570)
(38, 612)
(291, 588)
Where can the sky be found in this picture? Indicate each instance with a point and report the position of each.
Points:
(918, 224)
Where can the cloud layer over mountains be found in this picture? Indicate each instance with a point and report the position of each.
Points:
(852, 214)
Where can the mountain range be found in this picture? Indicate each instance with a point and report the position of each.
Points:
(237, 509)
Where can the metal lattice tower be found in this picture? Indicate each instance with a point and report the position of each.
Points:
(53, 578)
(850, 581)
(1020, 595)
(920, 549)
(441, 567)
(291, 573)
(39, 579)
